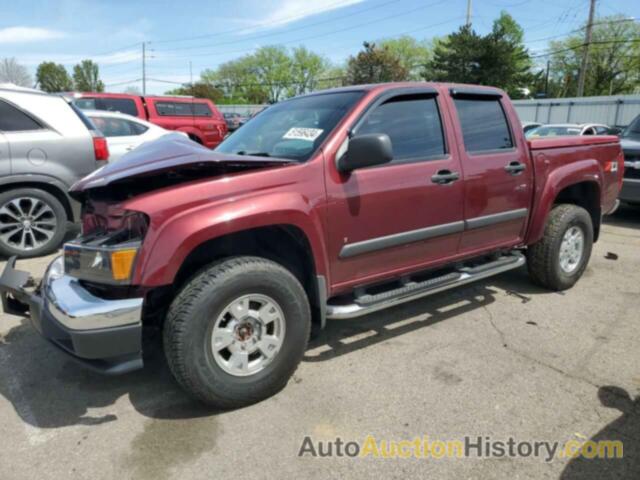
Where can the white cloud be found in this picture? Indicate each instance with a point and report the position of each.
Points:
(289, 11)
(28, 34)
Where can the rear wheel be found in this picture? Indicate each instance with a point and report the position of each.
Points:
(559, 259)
(32, 223)
(237, 331)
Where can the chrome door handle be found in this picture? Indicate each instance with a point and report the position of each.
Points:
(515, 168)
(445, 177)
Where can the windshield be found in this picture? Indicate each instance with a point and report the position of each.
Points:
(292, 129)
(633, 130)
(552, 132)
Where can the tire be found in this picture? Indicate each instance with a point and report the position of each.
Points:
(544, 259)
(203, 305)
(29, 204)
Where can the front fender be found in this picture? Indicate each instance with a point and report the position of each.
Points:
(551, 181)
(162, 255)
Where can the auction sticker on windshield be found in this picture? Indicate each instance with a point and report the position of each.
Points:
(299, 133)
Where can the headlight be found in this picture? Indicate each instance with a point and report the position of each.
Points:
(107, 257)
(108, 264)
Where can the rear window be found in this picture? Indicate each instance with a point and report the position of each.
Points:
(484, 124)
(15, 120)
(118, 127)
(122, 105)
(174, 109)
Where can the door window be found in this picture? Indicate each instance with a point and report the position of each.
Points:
(484, 124)
(118, 127)
(412, 123)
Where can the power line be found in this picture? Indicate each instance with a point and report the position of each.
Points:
(596, 42)
(206, 54)
(606, 22)
(135, 80)
(282, 21)
(289, 30)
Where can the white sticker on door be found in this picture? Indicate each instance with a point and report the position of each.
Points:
(300, 133)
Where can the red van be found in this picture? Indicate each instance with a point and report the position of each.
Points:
(197, 117)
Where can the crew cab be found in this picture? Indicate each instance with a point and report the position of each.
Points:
(197, 117)
(330, 205)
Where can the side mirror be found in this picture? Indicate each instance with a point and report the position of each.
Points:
(366, 151)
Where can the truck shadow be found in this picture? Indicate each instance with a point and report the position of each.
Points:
(341, 337)
(625, 428)
(48, 391)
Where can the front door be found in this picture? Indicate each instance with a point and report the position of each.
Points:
(391, 219)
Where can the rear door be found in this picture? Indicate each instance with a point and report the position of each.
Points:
(398, 217)
(497, 170)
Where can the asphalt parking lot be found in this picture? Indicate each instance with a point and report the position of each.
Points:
(501, 358)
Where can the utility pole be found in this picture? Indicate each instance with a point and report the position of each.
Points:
(468, 13)
(546, 80)
(584, 65)
(191, 73)
(144, 68)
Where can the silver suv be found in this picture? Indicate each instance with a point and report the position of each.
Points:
(46, 144)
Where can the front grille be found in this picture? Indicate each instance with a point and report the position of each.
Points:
(632, 165)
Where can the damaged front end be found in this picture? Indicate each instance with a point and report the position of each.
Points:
(87, 304)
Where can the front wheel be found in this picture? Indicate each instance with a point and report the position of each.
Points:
(237, 331)
(560, 258)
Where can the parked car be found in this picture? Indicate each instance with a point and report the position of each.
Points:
(233, 121)
(46, 145)
(329, 205)
(125, 132)
(197, 117)
(568, 129)
(527, 126)
(630, 141)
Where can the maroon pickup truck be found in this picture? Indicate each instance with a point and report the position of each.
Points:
(326, 206)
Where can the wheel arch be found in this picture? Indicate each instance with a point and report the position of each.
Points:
(577, 183)
(285, 244)
(71, 208)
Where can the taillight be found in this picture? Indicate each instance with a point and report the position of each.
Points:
(100, 148)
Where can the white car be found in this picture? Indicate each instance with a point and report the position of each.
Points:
(568, 129)
(124, 132)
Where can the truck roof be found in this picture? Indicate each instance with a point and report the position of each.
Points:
(395, 85)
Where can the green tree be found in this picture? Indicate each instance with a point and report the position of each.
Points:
(86, 77)
(374, 65)
(272, 66)
(199, 90)
(306, 69)
(412, 54)
(498, 58)
(614, 59)
(52, 78)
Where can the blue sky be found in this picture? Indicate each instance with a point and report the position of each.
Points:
(208, 33)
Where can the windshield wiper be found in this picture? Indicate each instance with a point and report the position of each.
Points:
(253, 154)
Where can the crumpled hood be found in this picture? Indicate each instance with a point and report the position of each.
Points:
(171, 152)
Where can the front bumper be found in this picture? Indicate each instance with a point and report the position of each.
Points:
(104, 335)
(630, 190)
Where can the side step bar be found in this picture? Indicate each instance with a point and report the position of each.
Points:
(368, 303)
